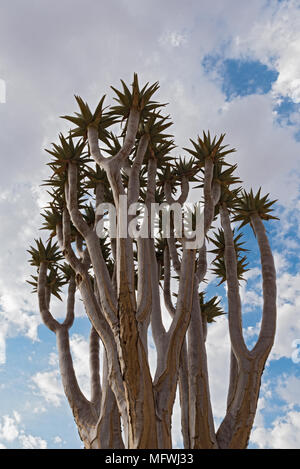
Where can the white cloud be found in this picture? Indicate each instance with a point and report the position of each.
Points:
(13, 433)
(3, 344)
(275, 39)
(32, 442)
(218, 354)
(80, 352)
(288, 389)
(9, 430)
(283, 434)
(177, 440)
(175, 39)
(48, 385)
(288, 319)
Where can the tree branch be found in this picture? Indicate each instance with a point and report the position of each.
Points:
(134, 179)
(47, 317)
(95, 369)
(234, 300)
(268, 326)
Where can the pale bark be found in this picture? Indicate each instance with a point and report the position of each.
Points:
(246, 366)
(202, 432)
(166, 377)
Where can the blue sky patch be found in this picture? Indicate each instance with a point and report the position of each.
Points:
(241, 77)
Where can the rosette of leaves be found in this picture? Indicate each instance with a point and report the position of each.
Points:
(206, 147)
(105, 245)
(166, 174)
(57, 182)
(185, 167)
(113, 145)
(55, 282)
(139, 99)
(219, 268)
(228, 197)
(225, 178)
(88, 214)
(249, 204)
(210, 309)
(94, 177)
(220, 271)
(142, 178)
(52, 218)
(85, 118)
(57, 276)
(66, 271)
(160, 143)
(67, 152)
(48, 253)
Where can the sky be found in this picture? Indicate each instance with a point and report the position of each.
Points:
(227, 66)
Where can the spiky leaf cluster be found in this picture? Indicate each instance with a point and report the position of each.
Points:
(67, 152)
(249, 204)
(210, 309)
(228, 196)
(185, 167)
(48, 253)
(52, 218)
(219, 268)
(206, 147)
(135, 99)
(86, 118)
(57, 277)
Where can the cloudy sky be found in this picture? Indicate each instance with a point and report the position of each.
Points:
(224, 65)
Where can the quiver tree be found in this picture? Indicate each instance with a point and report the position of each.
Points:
(129, 279)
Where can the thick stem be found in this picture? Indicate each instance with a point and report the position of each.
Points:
(109, 429)
(268, 326)
(168, 363)
(247, 368)
(184, 395)
(95, 369)
(234, 301)
(202, 432)
(84, 412)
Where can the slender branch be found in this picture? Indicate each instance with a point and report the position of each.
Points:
(167, 281)
(183, 384)
(173, 250)
(95, 369)
(134, 179)
(92, 133)
(201, 264)
(268, 326)
(234, 300)
(84, 412)
(131, 131)
(208, 195)
(47, 317)
(72, 202)
(68, 322)
(109, 428)
(158, 329)
(202, 432)
(144, 280)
